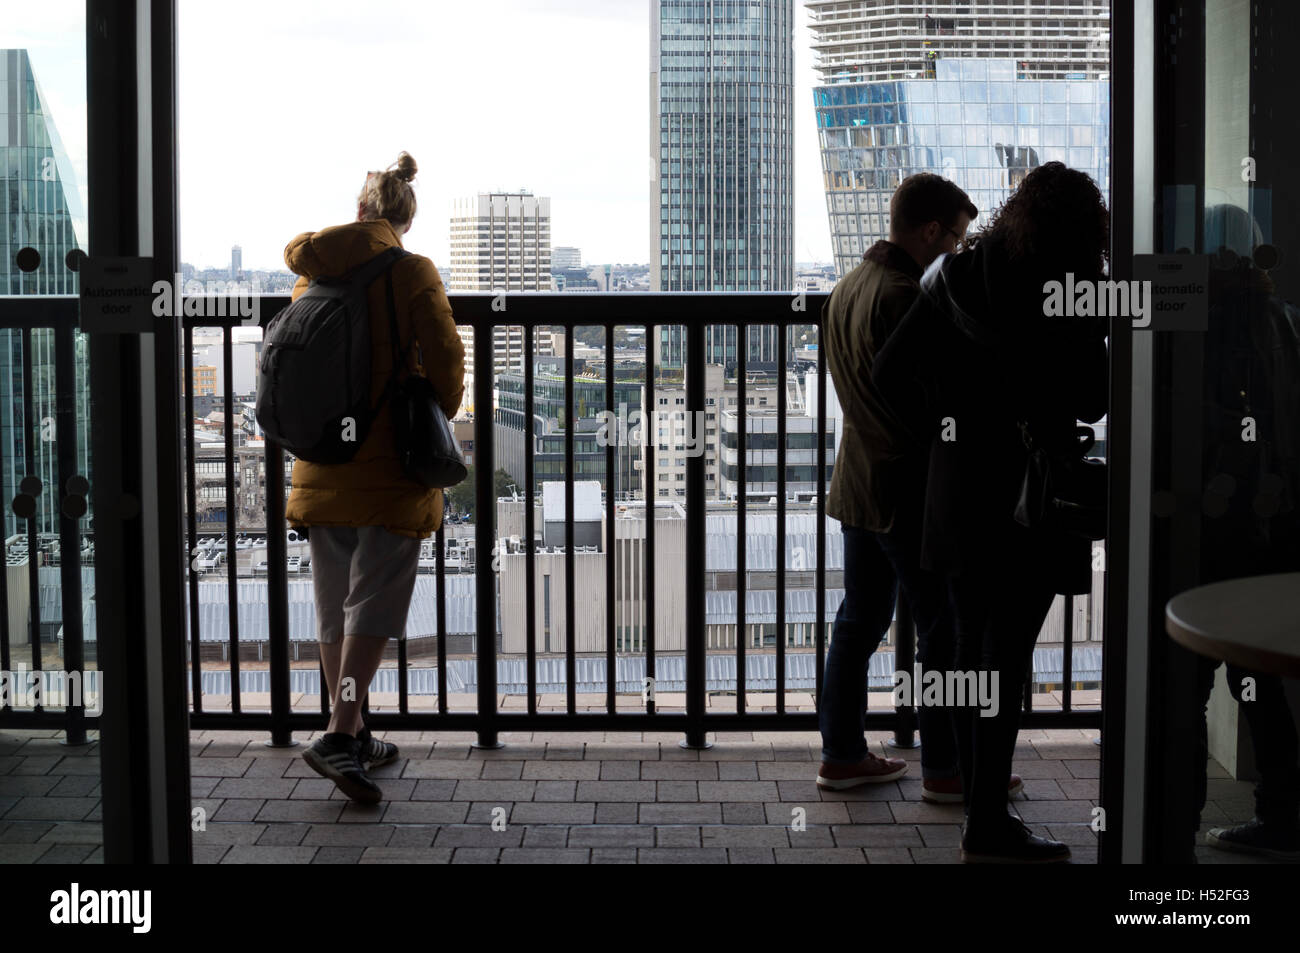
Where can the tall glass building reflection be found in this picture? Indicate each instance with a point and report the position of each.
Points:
(41, 210)
(975, 122)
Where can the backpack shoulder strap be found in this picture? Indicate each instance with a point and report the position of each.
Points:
(364, 274)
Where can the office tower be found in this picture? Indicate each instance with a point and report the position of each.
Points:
(566, 258)
(964, 90)
(501, 241)
(236, 262)
(42, 211)
(721, 137)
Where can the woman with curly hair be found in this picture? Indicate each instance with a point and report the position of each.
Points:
(976, 356)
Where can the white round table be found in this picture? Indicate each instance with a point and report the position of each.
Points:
(1252, 622)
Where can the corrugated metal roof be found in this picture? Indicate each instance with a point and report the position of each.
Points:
(760, 605)
(760, 542)
(254, 614)
(50, 590)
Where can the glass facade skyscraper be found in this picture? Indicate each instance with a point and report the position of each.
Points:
(42, 210)
(975, 123)
(721, 191)
(961, 89)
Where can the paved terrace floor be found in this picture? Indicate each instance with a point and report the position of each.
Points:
(626, 797)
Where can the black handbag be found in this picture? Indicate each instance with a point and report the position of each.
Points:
(426, 447)
(1063, 492)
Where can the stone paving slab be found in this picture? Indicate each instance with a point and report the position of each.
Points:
(564, 797)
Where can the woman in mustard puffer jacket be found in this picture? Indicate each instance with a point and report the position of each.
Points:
(365, 517)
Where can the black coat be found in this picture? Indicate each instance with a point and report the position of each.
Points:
(973, 357)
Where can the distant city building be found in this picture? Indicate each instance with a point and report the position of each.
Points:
(962, 91)
(720, 347)
(42, 211)
(210, 363)
(544, 437)
(565, 258)
(236, 262)
(574, 280)
(205, 380)
(501, 241)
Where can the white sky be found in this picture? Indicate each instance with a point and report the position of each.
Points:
(285, 104)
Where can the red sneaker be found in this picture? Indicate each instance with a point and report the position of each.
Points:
(948, 790)
(870, 770)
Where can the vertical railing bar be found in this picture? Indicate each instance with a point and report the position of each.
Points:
(530, 568)
(696, 537)
(33, 538)
(4, 574)
(191, 497)
(570, 557)
(742, 427)
(820, 584)
(277, 593)
(1067, 655)
(401, 678)
(610, 536)
(232, 554)
(440, 579)
(780, 517)
(485, 532)
(650, 419)
(65, 408)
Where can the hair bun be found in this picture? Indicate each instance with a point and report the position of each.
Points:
(405, 167)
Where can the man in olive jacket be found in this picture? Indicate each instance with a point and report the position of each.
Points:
(872, 499)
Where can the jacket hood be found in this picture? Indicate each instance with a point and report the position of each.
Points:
(333, 251)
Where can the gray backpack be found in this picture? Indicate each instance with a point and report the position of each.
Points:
(313, 392)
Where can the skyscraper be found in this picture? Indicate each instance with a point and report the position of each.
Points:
(236, 262)
(721, 133)
(500, 241)
(42, 211)
(964, 91)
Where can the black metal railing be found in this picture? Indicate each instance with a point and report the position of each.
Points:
(56, 318)
(530, 311)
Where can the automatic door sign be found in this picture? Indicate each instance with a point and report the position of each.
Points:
(1179, 298)
(117, 295)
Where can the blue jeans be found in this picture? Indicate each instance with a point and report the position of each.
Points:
(876, 565)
